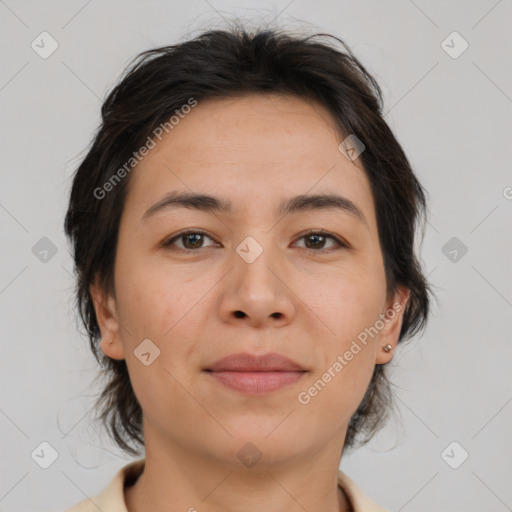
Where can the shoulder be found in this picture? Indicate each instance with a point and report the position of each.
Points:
(112, 497)
(360, 502)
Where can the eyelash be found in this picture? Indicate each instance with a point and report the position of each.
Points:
(326, 234)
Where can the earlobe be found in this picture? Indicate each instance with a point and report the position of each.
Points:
(393, 317)
(111, 348)
(106, 316)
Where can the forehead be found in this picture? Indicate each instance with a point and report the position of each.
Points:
(258, 147)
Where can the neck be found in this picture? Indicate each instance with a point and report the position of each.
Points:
(174, 479)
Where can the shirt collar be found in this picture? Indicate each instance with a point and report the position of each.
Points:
(112, 497)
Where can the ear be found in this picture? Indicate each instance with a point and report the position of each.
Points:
(392, 317)
(105, 308)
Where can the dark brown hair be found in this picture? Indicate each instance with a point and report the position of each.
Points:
(223, 64)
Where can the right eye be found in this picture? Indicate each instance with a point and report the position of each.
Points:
(191, 240)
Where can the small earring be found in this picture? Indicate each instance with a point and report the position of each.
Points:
(388, 348)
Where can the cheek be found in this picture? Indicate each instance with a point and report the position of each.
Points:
(349, 307)
(335, 390)
(345, 302)
(154, 308)
(163, 307)
(333, 394)
(154, 301)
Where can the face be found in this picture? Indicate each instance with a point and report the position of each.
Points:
(203, 283)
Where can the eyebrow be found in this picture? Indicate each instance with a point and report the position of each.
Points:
(300, 203)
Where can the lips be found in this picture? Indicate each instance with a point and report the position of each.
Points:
(256, 375)
(245, 362)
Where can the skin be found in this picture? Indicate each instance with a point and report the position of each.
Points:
(256, 151)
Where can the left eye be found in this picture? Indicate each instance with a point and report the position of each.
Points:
(192, 240)
(319, 237)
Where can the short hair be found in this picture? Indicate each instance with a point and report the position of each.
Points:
(232, 63)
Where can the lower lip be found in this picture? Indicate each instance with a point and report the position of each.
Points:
(256, 383)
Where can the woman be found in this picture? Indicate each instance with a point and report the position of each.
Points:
(243, 232)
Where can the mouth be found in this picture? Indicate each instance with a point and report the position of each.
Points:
(256, 375)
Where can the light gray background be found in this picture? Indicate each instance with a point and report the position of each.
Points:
(452, 116)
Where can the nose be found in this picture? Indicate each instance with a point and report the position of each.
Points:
(257, 291)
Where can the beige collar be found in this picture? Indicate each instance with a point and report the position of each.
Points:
(112, 497)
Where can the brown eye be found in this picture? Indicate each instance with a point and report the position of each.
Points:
(191, 240)
(315, 240)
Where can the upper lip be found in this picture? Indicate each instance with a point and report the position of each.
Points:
(246, 362)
